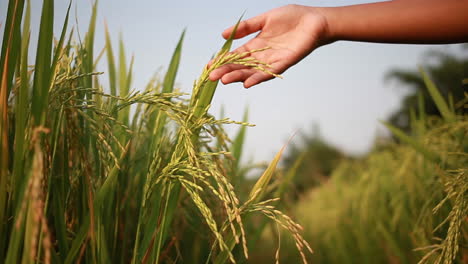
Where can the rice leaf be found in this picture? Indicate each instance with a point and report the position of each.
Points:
(122, 69)
(59, 47)
(259, 188)
(110, 62)
(88, 60)
(431, 156)
(21, 108)
(43, 74)
(209, 87)
(444, 109)
(11, 48)
(169, 78)
(236, 150)
(11, 43)
(238, 143)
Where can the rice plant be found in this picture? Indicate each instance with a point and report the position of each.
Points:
(86, 180)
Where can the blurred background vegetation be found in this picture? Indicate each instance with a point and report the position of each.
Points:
(379, 207)
(446, 69)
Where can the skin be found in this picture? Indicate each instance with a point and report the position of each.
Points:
(292, 32)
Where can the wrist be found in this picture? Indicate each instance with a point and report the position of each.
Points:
(330, 25)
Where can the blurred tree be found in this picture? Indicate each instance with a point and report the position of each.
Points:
(319, 158)
(446, 69)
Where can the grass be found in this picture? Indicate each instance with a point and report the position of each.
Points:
(86, 180)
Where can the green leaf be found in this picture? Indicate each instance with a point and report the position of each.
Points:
(11, 43)
(238, 143)
(110, 63)
(444, 110)
(169, 79)
(21, 108)
(58, 49)
(88, 61)
(11, 49)
(151, 224)
(43, 74)
(236, 150)
(431, 156)
(259, 188)
(158, 120)
(209, 87)
(122, 69)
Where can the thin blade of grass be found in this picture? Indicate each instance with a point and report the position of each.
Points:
(88, 61)
(169, 79)
(122, 68)
(159, 119)
(444, 109)
(431, 156)
(21, 107)
(11, 43)
(11, 48)
(238, 143)
(43, 74)
(260, 186)
(59, 47)
(209, 87)
(236, 150)
(110, 62)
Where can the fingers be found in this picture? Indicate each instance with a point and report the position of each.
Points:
(249, 77)
(237, 76)
(230, 67)
(226, 69)
(246, 27)
(256, 78)
(234, 73)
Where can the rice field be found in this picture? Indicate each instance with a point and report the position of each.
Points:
(95, 172)
(405, 202)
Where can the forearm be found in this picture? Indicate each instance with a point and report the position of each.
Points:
(400, 21)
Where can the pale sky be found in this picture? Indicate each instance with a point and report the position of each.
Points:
(339, 87)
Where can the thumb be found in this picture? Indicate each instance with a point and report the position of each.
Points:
(246, 27)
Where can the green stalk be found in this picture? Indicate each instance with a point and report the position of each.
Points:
(164, 225)
(11, 49)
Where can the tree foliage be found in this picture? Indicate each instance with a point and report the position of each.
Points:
(446, 68)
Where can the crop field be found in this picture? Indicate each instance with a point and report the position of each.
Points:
(402, 203)
(94, 172)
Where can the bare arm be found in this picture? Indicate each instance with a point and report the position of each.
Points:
(400, 21)
(294, 31)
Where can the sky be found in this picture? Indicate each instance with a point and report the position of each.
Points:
(340, 88)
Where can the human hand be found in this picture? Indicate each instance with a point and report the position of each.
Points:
(291, 32)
